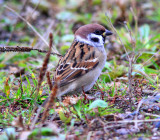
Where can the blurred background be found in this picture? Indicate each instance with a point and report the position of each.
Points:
(63, 17)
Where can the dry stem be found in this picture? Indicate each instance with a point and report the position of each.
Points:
(129, 59)
(23, 49)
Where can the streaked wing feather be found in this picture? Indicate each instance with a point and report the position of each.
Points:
(79, 60)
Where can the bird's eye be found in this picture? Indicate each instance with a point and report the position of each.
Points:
(97, 32)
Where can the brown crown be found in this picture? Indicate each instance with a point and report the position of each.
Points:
(83, 31)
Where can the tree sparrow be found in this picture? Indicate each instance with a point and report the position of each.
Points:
(81, 66)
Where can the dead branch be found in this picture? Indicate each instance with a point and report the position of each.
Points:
(53, 94)
(45, 64)
(50, 101)
(23, 49)
(49, 80)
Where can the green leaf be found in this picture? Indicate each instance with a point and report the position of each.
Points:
(139, 69)
(78, 108)
(44, 131)
(118, 71)
(29, 85)
(108, 66)
(64, 118)
(98, 103)
(64, 49)
(144, 32)
(7, 88)
(150, 71)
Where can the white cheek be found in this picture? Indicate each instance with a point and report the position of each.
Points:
(100, 38)
(91, 42)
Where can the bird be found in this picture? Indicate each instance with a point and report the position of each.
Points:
(81, 66)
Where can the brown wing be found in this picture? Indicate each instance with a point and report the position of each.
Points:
(79, 60)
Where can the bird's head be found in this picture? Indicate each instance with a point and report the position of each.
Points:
(92, 34)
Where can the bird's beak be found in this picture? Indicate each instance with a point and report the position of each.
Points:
(107, 33)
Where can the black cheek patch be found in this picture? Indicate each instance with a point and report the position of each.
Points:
(95, 39)
(104, 39)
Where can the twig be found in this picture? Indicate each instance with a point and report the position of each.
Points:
(111, 25)
(153, 115)
(50, 101)
(23, 49)
(151, 57)
(53, 94)
(133, 42)
(130, 65)
(136, 116)
(133, 121)
(115, 126)
(36, 118)
(44, 66)
(135, 19)
(49, 80)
